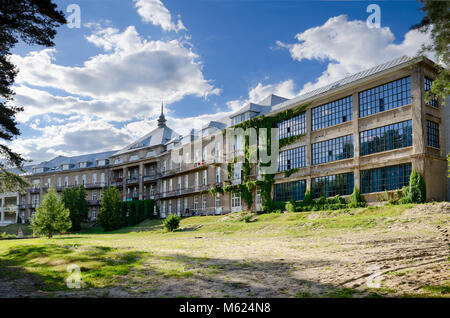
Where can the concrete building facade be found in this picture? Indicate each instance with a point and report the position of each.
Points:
(369, 130)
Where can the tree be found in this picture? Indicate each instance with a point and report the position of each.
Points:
(75, 200)
(437, 21)
(52, 217)
(110, 216)
(172, 222)
(416, 191)
(34, 22)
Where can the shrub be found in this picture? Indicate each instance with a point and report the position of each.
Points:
(111, 216)
(356, 199)
(307, 199)
(52, 217)
(247, 218)
(416, 192)
(172, 222)
(290, 206)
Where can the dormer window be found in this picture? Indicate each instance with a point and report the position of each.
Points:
(102, 162)
(38, 170)
(83, 164)
(65, 166)
(117, 161)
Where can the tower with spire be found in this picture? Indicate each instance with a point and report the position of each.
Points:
(162, 120)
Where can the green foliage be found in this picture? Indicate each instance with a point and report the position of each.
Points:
(290, 206)
(436, 21)
(356, 199)
(416, 192)
(75, 200)
(172, 222)
(30, 22)
(11, 182)
(289, 140)
(289, 172)
(111, 216)
(307, 199)
(52, 217)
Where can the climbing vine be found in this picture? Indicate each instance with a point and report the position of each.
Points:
(247, 187)
(289, 172)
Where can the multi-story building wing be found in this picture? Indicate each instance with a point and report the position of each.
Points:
(368, 130)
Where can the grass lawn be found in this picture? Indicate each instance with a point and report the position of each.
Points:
(314, 254)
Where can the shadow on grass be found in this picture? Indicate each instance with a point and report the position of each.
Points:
(145, 226)
(45, 267)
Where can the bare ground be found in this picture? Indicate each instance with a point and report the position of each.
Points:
(408, 255)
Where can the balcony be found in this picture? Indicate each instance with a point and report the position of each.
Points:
(22, 206)
(95, 185)
(94, 202)
(35, 204)
(169, 172)
(35, 190)
(150, 177)
(133, 180)
(117, 182)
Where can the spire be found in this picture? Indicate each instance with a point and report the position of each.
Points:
(162, 120)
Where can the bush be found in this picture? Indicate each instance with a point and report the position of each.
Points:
(19, 220)
(110, 216)
(290, 206)
(307, 199)
(172, 222)
(416, 192)
(356, 199)
(248, 218)
(52, 217)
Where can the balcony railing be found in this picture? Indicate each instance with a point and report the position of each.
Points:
(94, 202)
(150, 177)
(35, 190)
(133, 180)
(95, 185)
(35, 205)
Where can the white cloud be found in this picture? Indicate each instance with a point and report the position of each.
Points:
(155, 12)
(257, 93)
(131, 78)
(350, 47)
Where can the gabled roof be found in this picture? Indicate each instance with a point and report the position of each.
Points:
(158, 136)
(54, 164)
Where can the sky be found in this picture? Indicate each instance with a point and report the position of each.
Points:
(101, 86)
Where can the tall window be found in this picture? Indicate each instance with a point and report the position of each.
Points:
(186, 205)
(385, 178)
(258, 198)
(290, 191)
(204, 201)
(170, 206)
(385, 138)
(427, 87)
(292, 158)
(235, 200)
(293, 126)
(195, 202)
(329, 186)
(170, 184)
(218, 174)
(217, 203)
(384, 97)
(196, 179)
(205, 177)
(94, 195)
(333, 113)
(432, 134)
(332, 149)
(186, 181)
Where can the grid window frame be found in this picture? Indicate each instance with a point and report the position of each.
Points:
(292, 158)
(433, 134)
(386, 178)
(384, 138)
(385, 97)
(332, 150)
(434, 102)
(293, 126)
(332, 185)
(294, 190)
(333, 113)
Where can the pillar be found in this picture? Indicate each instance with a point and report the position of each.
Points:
(356, 145)
(124, 183)
(141, 179)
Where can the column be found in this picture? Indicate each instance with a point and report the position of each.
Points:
(141, 179)
(2, 207)
(124, 183)
(418, 111)
(308, 154)
(356, 146)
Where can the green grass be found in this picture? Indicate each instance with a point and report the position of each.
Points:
(147, 252)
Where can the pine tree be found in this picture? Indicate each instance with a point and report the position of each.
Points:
(75, 200)
(52, 217)
(33, 22)
(110, 215)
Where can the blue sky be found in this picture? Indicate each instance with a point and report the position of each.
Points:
(101, 86)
